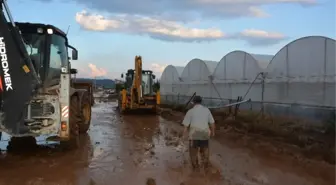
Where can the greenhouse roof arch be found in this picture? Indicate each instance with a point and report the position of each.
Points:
(240, 66)
(179, 70)
(311, 57)
(171, 74)
(198, 70)
(262, 60)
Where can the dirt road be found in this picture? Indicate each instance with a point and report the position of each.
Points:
(129, 149)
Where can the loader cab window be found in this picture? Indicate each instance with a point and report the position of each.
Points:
(58, 57)
(129, 80)
(34, 44)
(147, 83)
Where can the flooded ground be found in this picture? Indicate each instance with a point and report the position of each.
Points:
(130, 149)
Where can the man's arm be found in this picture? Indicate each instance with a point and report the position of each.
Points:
(186, 122)
(211, 123)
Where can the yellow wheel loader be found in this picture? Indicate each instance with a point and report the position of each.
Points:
(138, 92)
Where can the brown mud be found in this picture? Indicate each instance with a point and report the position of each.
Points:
(140, 150)
(302, 146)
(314, 141)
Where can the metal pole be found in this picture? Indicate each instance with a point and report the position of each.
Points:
(248, 90)
(262, 93)
(8, 12)
(232, 104)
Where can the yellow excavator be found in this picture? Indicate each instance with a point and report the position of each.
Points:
(138, 92)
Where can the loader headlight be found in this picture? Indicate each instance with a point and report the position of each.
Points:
(50, 31)
(64, 70)
(39, 30)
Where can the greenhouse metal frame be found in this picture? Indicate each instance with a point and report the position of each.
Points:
(298, 80)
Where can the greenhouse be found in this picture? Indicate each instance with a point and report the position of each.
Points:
(215, 81)
(303, 72)
(238, 74)
(195, 77)
(171, 75)
(300, 75)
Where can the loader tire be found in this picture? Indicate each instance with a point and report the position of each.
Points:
(22, 144)
(75, 118)
(86, 114)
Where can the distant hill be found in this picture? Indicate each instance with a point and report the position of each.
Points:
(105, 83)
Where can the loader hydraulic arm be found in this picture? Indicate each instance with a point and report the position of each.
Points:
(137, 83)
(15, 37)
(18, 78)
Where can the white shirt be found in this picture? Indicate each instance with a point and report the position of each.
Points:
(199, 118)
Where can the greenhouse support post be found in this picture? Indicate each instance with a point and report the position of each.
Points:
(263, 76)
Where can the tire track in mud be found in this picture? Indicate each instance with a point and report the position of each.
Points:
(241, 165)
(140, 151)
(131, 149)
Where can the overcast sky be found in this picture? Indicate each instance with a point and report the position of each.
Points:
(109, 33)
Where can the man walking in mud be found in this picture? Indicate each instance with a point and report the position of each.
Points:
(201, 126)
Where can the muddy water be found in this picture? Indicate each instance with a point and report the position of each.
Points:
(130, 149)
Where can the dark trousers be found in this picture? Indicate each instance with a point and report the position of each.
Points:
(201, 146)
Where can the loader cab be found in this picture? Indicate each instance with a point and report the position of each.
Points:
(47, 47)
(128, 78)
(147, 81)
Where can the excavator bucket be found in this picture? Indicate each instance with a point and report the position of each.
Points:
(16, 78)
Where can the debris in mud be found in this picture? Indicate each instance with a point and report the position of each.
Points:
(167, 137)
(172, 115)
(174, 133)
(173, 137)
(113, 163)
(150, 181)
(260, 179)
(181, 148)
(172, 141)
(299, 137)
(149, 147)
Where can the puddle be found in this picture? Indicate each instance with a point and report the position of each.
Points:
(130, 149)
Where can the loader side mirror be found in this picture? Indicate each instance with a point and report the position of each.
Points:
(73, 71)
(153, 77)
(74, 55)
(122, 75)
